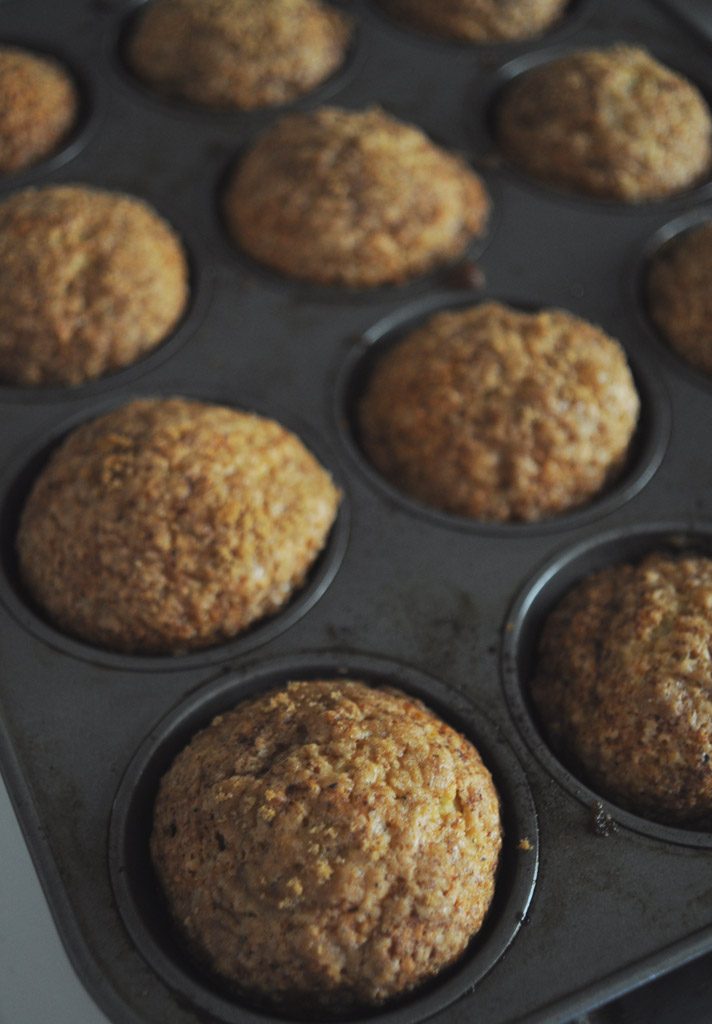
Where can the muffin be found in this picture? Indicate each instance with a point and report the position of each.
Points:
(39, 106)
(354, 198)
(89, 282)
(327, 846)
(623, 685)
(479, 21)
(679, 295)
(500, 415)
(237, 54)
(611, 123)
(169, 525)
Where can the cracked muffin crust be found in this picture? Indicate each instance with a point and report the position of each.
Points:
(238, 54)
(89, 282)
(679, 294)
(39, 105)
(613, 123)
(623, 685)
(355, 198)
(479, 21)
(169, 525)
(327, 845)
(500, 415)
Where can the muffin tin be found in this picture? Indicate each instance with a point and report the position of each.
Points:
(591, 900)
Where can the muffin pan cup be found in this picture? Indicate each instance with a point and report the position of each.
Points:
(433, 603)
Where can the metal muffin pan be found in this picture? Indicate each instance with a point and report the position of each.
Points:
(442, 606)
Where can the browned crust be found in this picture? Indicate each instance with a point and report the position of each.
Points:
(327, 845)
(500, 415)
(169, 525)
(612, 123)
(354, 198)
(679, 294)
(479, 21)
(624, 685)
(238, 53)
(39, 105)
(90, 281)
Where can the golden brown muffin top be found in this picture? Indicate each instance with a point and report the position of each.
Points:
(623, 685)
(238, 53)
(679, 294)
(168, 525)
(89, 281)
(328, 844)
(39, 105)
(479, 21)
(613, 123)
(352, 197)
(500, 415)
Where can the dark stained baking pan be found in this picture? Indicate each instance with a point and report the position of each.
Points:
(592, 901)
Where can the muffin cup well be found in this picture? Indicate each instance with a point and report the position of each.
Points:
(637, 292)
(136, 888)
(646, 452)
(117, 37)
(522, 629)
(15, 486)
(481, 123)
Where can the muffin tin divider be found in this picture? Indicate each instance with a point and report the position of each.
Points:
(607, 912)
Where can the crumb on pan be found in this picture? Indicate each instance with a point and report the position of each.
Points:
(613, 123)
(91, 281)
(500, 415)
(355, 198)
(327, 845)
(623, 685)
(239, 54)
(169, 525)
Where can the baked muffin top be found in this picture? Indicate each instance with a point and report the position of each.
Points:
(479, 21)
(168, 525)
(355, 198)
(679, 295)
(327, 845)
(39, 106)
(500, 415)
(613, 123)
(89, 281)
(623, 685)
(238, 54)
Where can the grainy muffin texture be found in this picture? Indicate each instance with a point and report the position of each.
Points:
(327, 845)
(89, 282)
(479, 21)
(623, 685)
(611, 123)
(679, 294)
(496, 414)
(39, 105)
(354, 198)
(238, 53)
(168, 525)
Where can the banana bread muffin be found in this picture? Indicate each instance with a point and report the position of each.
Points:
(611, 123)
(168, 525)
(623, 686)
(328, 845)
(89, 282)
(39, 105)
(679, 295)
(500, 415)
(479, 21)
(355, 198)
(238, 54)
